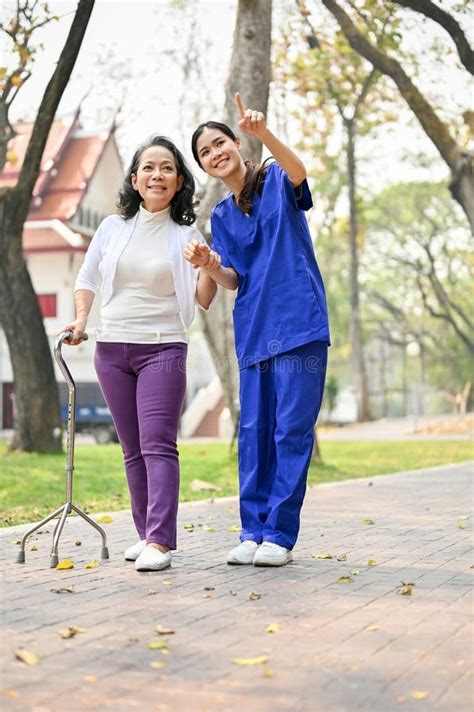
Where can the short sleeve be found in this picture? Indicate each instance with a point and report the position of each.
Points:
(304, 199)
(217, 243)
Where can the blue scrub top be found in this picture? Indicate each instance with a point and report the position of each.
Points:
(281, 302)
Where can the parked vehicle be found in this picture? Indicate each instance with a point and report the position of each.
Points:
(92, 414)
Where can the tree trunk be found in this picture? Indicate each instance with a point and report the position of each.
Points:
(458, 161)
(36, 392)
(249, 73)
(357, 346)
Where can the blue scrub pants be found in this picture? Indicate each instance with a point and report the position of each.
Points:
(280, 400)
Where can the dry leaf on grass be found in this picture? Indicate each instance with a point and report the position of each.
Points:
(66, 564)
(26, 656)
(201, 485)
(71, 631)
(163, 630)
(157, 664)
(272, 628)
(260, 660)
(419, 694)
(321, 555)
(105, 519)
(94, 564)
(66, 589)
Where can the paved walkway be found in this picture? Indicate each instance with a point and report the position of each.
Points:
(340, 647)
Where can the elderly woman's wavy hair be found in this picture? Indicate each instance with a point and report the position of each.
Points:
(182, 205)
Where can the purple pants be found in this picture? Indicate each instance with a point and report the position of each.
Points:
(144, 386)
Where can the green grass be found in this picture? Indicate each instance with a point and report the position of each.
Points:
(32, 485)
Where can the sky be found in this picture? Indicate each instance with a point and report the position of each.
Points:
(136, 53)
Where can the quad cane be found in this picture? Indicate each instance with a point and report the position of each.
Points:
(69, 507)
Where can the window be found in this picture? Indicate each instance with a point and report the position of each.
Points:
(48, 304)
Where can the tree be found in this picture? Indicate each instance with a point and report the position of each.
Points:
(457, 157)
(345, 94)
(249, 73)
(417, 275)
(38, 426)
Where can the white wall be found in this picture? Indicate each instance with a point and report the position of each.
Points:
(101, 194)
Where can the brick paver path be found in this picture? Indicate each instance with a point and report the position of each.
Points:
(340, 646)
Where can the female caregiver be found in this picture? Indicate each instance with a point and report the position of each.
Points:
(281, 327)
(147, 296)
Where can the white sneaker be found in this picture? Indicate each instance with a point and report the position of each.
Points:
(269, 554)
(152, 559)
(243, 553)
(133, 552)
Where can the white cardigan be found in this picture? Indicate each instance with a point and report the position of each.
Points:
(109, 241)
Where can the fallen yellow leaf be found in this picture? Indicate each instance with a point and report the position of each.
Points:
(68, 589)
(355, 572)
(27, 656)
(405, 590)
(89, 678)
(464, 516)
(419, 694)
(163, 630)
(158, 664)
(267, 672)
(345, 579)
(34, 548)
(342, 557)
(461, 526)
(254, 596)
(321, 555)
(188, 526)
(167, 582)
(71, 631)
(207, 528)
(368, 521)
(94, 564)
(272, 628)
(234, 528)
(371, 628)
(372, 562)
(104, 519)
(260, 660)
(66, 564)
(158, 645)
(11, 693)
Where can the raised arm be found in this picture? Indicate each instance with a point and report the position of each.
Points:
(253, 123)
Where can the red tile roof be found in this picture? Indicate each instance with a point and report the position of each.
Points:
(68, 164)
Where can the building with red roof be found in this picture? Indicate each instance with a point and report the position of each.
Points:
(76, 188)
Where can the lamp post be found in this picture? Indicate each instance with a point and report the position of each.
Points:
(413, 351)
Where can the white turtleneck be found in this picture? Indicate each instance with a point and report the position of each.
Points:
(143, 307)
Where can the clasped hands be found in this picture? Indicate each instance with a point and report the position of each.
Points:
(200, 255)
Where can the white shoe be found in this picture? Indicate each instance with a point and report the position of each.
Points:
(269, 554)
(133, 552)
(152, 559)
(243, 553)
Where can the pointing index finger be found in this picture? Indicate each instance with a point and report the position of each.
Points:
(240, 105)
